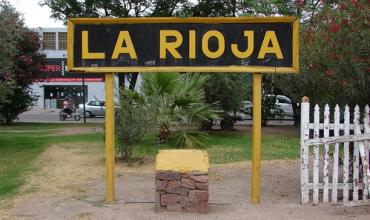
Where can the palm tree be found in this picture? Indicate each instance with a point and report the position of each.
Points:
(177, 100)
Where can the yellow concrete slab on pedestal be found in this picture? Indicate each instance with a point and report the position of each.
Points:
(182, 160)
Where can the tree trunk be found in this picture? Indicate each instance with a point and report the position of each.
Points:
(296, 114)
(264, 122)
(133, 80)
(164, 133)
(8, 119)
(121, 81)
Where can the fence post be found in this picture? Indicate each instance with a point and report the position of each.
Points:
(367, 146)
(305, 120)
(316, 154)
(326, 155)
(346, 157)
(356, 157)
(365, 165)
(334, 192)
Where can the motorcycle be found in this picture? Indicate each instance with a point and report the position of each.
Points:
(68, 113)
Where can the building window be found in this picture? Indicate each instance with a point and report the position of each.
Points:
(49, 40)
(62, 40)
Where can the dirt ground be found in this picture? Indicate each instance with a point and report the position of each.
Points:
(69, 184)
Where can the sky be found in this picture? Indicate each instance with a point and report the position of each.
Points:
(34, 15)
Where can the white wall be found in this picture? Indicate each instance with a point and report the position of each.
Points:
(95, 90)
(38, 90)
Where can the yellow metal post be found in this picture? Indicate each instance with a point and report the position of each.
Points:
(256, 140)
(109, 138)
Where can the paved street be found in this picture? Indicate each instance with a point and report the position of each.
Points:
(51, 116)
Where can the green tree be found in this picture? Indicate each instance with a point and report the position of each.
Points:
(21, 65)
(10, 34)
(177, 101)
(228, 90)
(304, 9)
(334, 48)
(334, 55)
(27, 64)
(216, 8)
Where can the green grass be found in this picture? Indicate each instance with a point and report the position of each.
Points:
(226, 147)
(44, 126)
(18, 150)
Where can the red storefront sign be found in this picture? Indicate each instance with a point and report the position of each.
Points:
(55, 70)
(73, 80)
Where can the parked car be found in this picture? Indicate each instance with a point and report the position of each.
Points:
(92, 108)
(282, 101)
(285, 104)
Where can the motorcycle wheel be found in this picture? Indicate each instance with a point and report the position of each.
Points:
(77, 117)
(62, 117)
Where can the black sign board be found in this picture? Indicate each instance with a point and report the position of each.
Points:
(183, 45)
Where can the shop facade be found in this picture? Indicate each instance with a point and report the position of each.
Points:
(55, 83)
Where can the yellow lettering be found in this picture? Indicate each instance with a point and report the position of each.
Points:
(85, 48)
(221, 44)
(191, 44)
(270, 36)
(124, 37)
(170, 46)
(250, 46)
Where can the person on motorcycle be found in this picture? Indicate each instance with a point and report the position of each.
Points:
(68, 105)
(69, 109)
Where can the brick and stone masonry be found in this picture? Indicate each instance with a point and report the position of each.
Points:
(181, 181)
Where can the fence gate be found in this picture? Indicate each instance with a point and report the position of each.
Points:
(335, 155)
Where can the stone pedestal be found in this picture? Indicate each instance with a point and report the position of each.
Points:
(181, 181)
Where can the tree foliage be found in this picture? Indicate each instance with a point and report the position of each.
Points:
(334, 51)
(20, 65)
(228, 90)
(10, 33)
(334, 57)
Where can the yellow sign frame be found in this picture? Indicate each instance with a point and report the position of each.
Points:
(218, 20)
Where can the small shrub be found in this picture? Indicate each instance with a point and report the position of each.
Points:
(133, 121)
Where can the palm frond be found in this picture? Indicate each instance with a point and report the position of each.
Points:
(190, 139)
(178, 99)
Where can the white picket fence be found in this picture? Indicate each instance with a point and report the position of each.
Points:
(332, 169)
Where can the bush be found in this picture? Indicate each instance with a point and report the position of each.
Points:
(133, 121)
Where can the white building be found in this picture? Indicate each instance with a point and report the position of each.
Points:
(57, 83)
